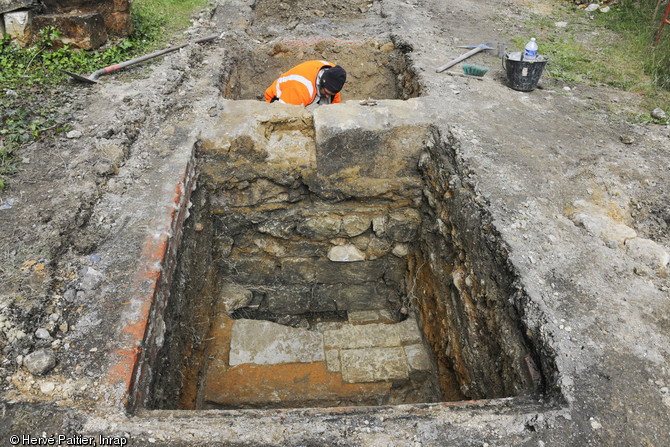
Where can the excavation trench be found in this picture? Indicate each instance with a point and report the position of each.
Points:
(336, 259)
(377, 69)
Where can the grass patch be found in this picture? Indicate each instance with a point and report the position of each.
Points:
(168, 16)
(29, 76)
(614, 48)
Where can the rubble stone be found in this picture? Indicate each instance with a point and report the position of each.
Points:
(234, 296)
(345, 253)
(40, 362)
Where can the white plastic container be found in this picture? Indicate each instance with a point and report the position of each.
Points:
(530, 54)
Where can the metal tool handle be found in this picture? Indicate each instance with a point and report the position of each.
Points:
(116, 67)
(461, 58)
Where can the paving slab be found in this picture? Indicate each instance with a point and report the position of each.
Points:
(374, 365)
(267, 343)
(363, 336)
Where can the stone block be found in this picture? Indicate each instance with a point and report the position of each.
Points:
(294, 300)
(368, 152)
(418, 358)
(351, 272)
(363, 336)
(400, 250)
(119, 23)
(250, 271)
(409, 331)
(333, 360)
(297, 271)
(13, 5)
(279, 227)
(256, 193)
(355, 225)
(283, 135)
(364, 316)
(379, 225)
(18, 25)
(85, 31)
(287, 248)
(233, 296)
(374, 365)
(267, 343)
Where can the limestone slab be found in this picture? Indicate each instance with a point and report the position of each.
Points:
(373, 365)
(267, 343)
(364, 336)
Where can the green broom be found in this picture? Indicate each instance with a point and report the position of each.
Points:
(475, 70)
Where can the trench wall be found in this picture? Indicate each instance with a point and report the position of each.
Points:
(465, 288)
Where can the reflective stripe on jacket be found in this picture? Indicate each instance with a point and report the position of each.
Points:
(298, 85)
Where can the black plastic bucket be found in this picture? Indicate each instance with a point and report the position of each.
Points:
(523, 75)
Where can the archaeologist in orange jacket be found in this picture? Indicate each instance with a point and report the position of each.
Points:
(312, 82)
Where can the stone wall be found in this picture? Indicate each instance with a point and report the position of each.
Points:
(311, 228)
(83, 24)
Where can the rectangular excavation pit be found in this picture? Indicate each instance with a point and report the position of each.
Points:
(377, 69)
(331, 264)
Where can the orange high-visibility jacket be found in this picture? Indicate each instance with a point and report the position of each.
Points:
(298, 85)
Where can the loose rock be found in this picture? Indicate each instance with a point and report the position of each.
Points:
(659, 114)
(42, 334)
(40, 362)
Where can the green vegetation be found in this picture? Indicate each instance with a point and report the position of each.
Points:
(32, 77)
(615, 48)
